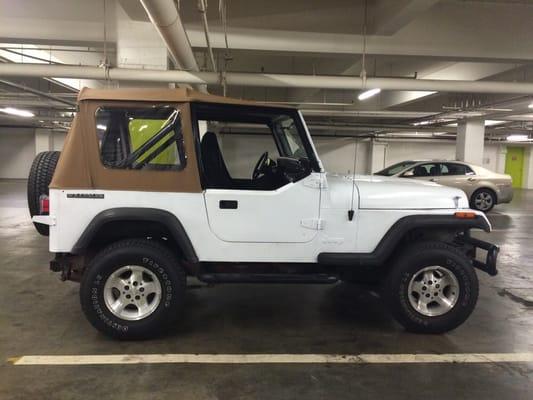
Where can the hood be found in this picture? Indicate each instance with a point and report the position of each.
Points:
(380, 192)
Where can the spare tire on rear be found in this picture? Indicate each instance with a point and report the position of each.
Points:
(41, 173)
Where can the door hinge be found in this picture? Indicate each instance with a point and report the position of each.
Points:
(313, 223)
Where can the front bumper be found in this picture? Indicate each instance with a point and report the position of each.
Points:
(489, 264)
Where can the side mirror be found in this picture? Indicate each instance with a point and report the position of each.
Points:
(290, 165)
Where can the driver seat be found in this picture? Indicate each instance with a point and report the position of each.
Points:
(215, 170)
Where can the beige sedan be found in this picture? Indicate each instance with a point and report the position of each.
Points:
(484, 188)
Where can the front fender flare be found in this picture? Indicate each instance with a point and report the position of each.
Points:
(394, 235)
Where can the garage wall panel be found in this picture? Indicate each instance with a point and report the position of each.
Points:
(337, 154)
(17, 151)
(59, 140)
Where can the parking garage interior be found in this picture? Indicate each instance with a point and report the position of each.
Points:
(377, 83)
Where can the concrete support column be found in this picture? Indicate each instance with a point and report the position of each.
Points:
(500, 159)
(527, 180)
(44, 140)
(377, 156)
(470, 141)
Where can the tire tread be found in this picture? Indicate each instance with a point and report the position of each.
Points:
(41, 173)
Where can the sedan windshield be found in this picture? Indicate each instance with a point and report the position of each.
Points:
(395, 168)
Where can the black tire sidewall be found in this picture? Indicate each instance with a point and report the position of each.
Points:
(408, 265)
(102, 266)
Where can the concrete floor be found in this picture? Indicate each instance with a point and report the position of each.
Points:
(41, 315)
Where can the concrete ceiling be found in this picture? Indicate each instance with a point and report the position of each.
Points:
(431, 39)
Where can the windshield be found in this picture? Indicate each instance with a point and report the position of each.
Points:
(289, 137)
(395, 168)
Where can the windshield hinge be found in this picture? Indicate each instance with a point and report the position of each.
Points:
(316, 182)
(313, 223)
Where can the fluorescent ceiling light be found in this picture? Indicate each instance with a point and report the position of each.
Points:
(517, 138)
(425, 122)
(492, 122)
(17, 112)
(368, 94)
(101, 127)
(530, 106)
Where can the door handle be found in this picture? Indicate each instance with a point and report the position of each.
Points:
(432, 180)
(471, 179)
(228, 204)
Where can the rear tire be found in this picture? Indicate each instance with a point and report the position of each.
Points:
(431, 288)
(41, 173)
(133, 289)
(483, 200)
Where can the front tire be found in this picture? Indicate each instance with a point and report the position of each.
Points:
(133, 289)
(432, 288)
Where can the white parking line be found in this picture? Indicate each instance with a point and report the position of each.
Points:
(460, 358)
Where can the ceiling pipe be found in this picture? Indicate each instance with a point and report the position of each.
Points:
(262, 80)
(37, 92)
(202, 8)
(365, 113)
(167, 21)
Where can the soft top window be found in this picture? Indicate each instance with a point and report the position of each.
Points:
(140, 138)
(283, 124)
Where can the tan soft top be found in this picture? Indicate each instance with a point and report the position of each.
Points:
(79, 165)
(181, 95)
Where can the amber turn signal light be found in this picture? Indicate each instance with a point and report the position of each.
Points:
(465, 214)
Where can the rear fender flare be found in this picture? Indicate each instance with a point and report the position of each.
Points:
(165, 218)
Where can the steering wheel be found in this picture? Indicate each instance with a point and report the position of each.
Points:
(259, 167)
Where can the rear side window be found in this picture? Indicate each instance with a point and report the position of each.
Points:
(140, 138)
(456, 169)
(422, 170)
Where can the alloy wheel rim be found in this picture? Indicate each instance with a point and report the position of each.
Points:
(433, 291)
(132, 292)
(483, 201)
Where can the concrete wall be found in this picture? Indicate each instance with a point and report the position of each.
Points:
(337, 154)
(242, 152)
(17, 151)
(59, 140)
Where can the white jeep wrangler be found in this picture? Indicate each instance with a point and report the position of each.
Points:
(150, 189)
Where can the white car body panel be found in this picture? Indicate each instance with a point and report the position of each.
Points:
(285, 215)
(381, 192)
(259, 239)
